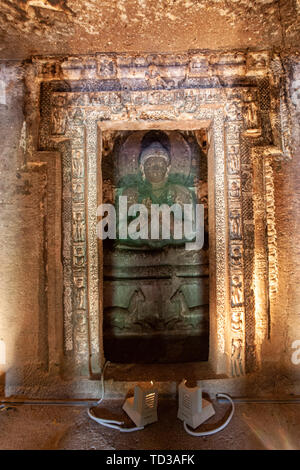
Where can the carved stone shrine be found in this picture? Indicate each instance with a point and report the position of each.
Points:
(224, 118)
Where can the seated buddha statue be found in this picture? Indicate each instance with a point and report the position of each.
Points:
(154, 186)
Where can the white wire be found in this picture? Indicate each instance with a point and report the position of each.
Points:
(213, 431)
(109, 423)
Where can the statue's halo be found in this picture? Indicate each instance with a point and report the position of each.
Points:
(128, 157)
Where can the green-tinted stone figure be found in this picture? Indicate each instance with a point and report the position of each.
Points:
(154, 186)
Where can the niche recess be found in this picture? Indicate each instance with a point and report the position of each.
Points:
(155, 293)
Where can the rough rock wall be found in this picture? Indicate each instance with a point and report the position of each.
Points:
(285, 327)
(23, 325)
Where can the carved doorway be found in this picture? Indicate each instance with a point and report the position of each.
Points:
(155, 292)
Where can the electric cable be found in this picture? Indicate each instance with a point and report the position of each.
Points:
(109, 423)
(218, 429)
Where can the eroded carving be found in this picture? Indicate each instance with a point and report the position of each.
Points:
(78, 227)
(235, 224)
(236, 291)
(237, 368)
(233, 160)
(251, 114)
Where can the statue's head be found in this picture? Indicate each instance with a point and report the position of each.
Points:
(155, 163)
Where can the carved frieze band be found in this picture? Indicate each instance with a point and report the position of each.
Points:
(155, 69)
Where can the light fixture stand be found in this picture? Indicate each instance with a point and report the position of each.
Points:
(193, 409)
(142, 407)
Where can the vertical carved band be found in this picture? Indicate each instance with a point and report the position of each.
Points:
(79, 245)
(236, 270)
(271, 228)
(220, 227)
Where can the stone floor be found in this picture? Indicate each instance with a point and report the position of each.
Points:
(254, 426)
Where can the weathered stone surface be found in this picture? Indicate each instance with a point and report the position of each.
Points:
(23, 281)
(79, 27)
(286, 314)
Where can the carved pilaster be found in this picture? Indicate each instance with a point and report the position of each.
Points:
(261, 274)
(236, 268)
(271, 228)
